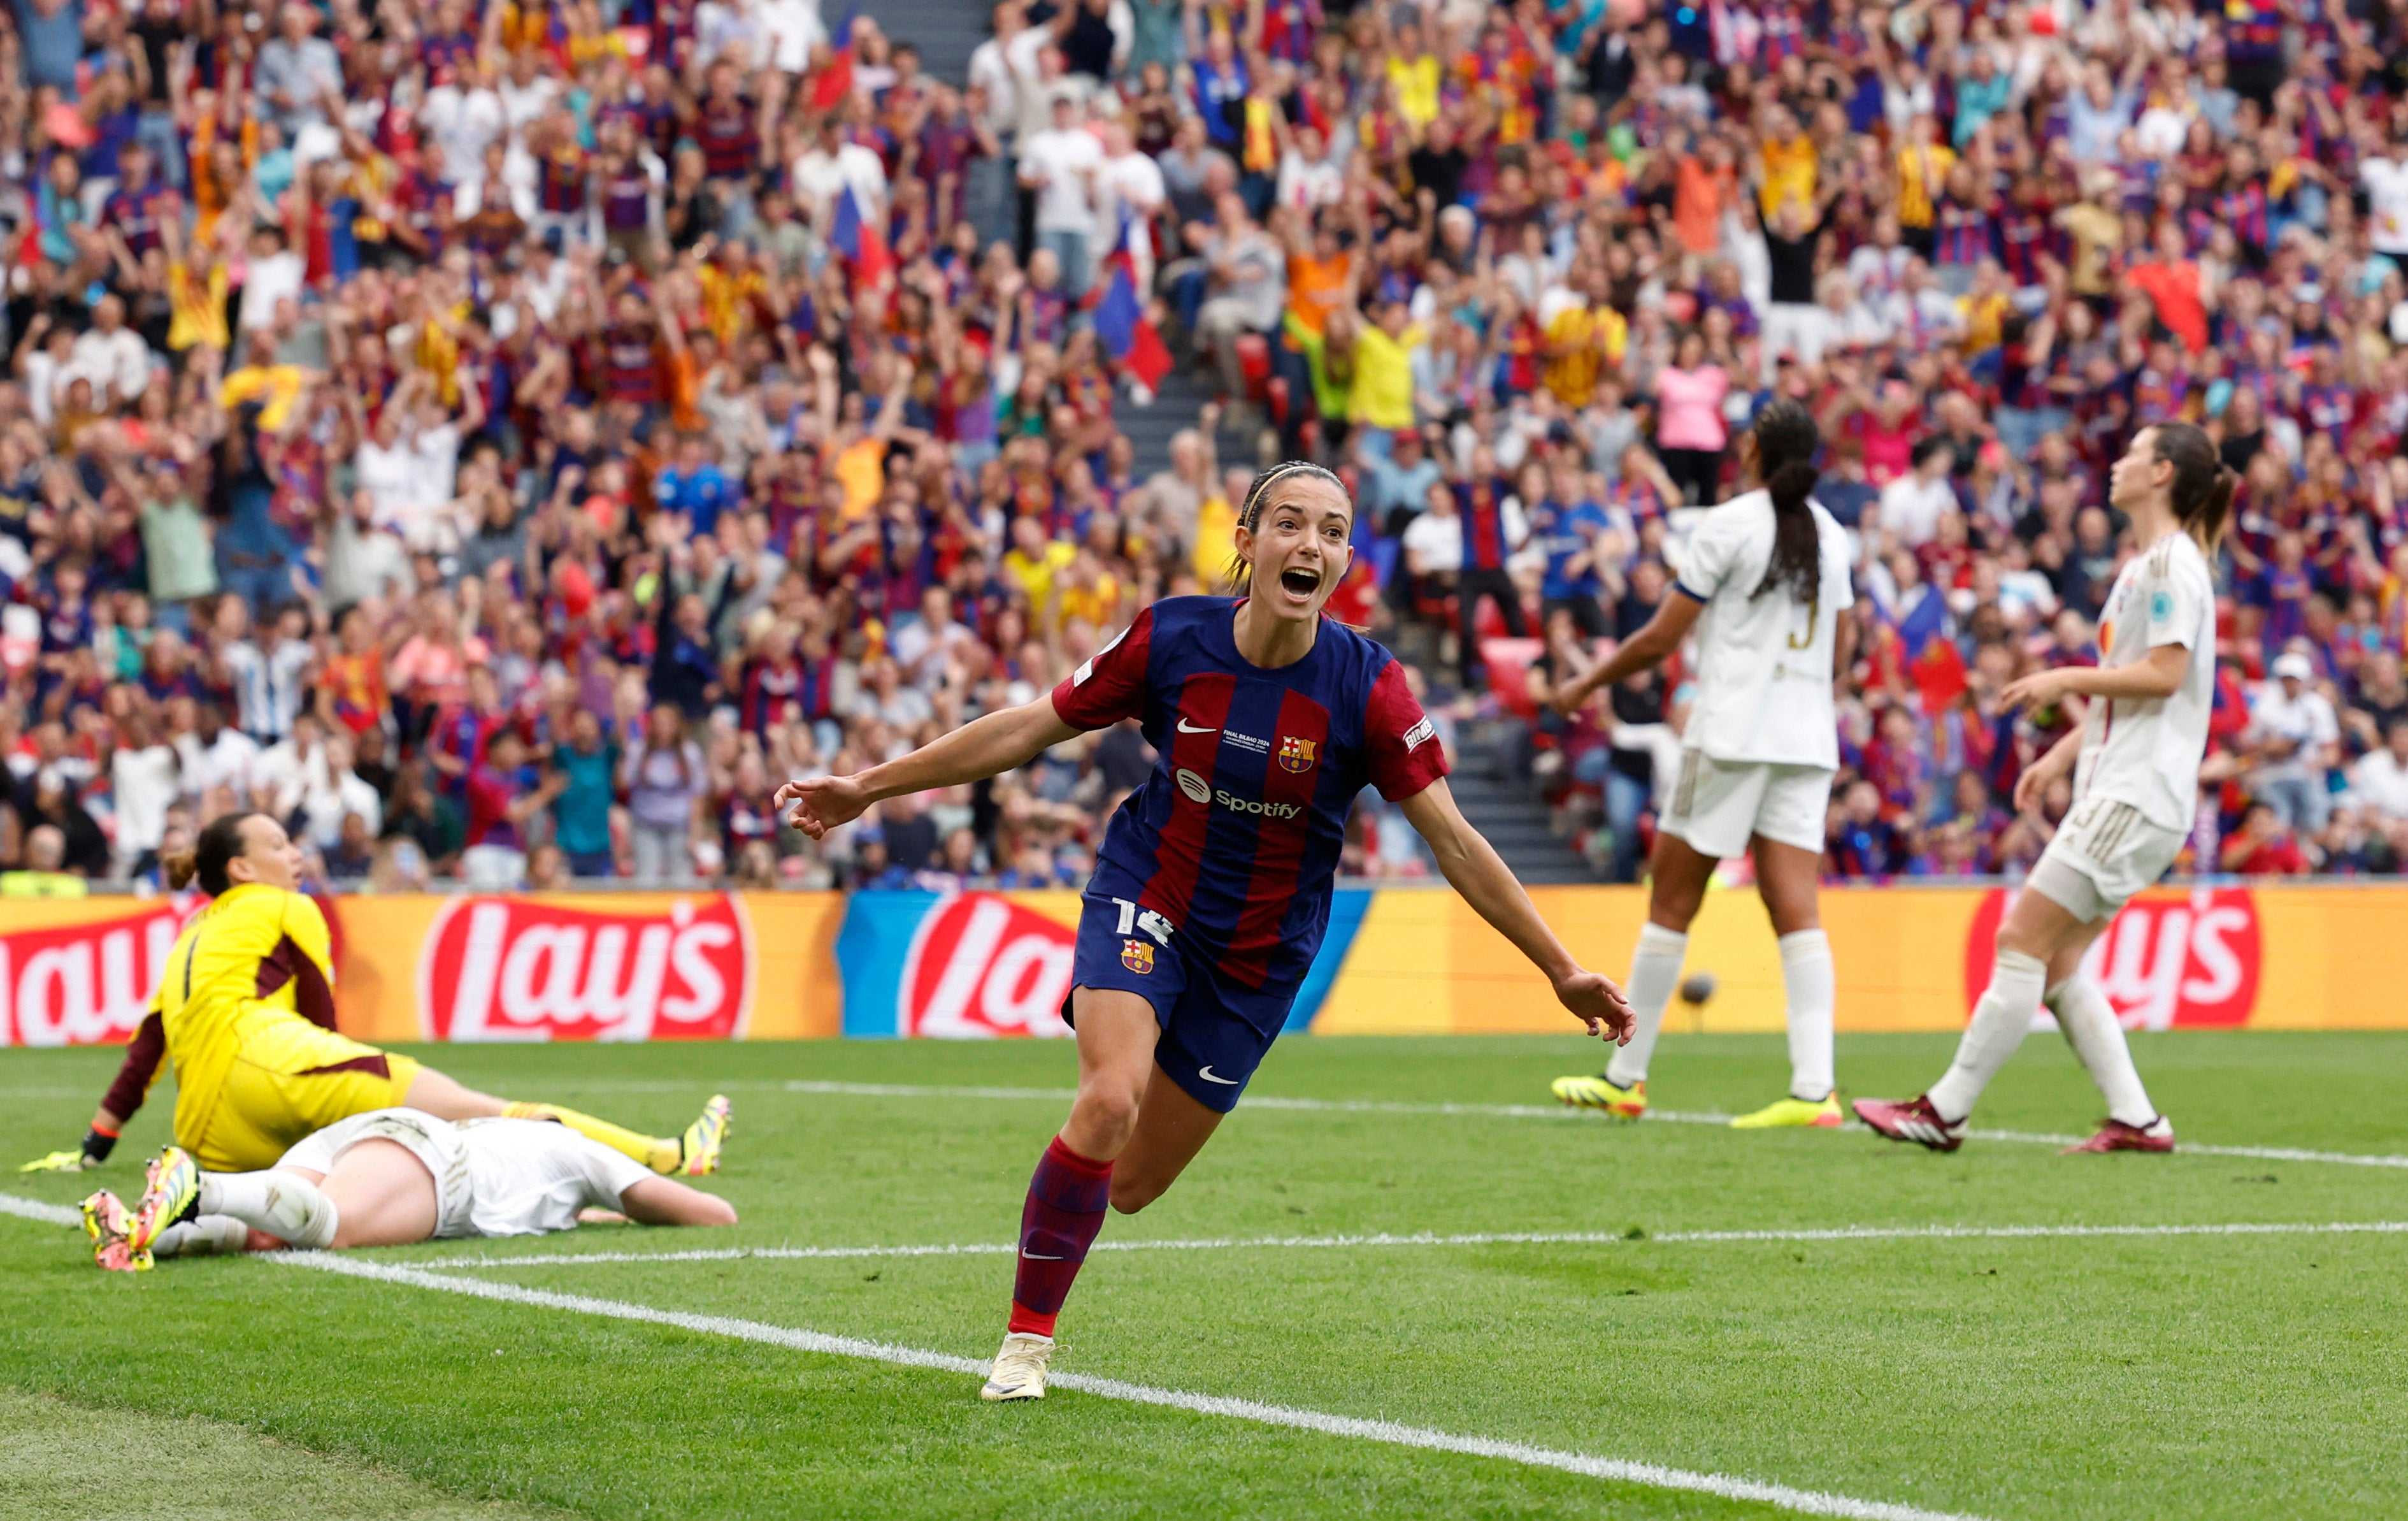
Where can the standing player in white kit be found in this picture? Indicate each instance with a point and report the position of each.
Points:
(2136, 792)
(1764, 581)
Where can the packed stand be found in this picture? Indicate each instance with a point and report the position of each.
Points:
(506, 442)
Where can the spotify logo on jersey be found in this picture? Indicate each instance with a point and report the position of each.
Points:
(1195, 787)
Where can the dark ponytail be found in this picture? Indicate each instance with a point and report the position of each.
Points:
(1785, 442)
(219, 842)
(1250, 513)
(2203, 485)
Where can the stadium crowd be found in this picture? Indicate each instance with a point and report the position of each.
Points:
(508, 439)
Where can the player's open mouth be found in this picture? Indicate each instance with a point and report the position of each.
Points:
(1299, 582)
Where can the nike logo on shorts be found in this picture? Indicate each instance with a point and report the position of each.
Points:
(1184, 727)
(1038, 1257)
(1206, 1073)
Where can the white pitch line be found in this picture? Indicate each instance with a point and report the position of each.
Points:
(34, 1208)
(1650, 1475)
(1503, 1237)
(1555, 1111)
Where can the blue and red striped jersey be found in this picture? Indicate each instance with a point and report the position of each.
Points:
(1235, 837)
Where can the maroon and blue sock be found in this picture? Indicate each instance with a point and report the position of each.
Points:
(1067, 1199)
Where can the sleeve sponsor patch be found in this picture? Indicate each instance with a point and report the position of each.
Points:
(1419, 732)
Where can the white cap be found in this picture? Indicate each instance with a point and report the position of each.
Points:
(2294, 666)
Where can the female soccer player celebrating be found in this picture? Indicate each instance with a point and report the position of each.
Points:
(1763, 582)
(1212, 889)
(246, 1012)
(2135, 761)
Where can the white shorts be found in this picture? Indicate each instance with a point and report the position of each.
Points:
(492, 1177)
(2103, 852)
(435, 1143)
(1718, 804)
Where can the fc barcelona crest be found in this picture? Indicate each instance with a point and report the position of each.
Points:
(1297, 754)
(1137, 955)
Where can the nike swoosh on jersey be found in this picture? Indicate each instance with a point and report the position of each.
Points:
(1206, 1073)
(1184, 727)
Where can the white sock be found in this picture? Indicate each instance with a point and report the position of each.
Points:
(286, 1205)
(2091, 1027)
(1806, 976)
(2000, 1022)
(1654, 971)
(206, 1235)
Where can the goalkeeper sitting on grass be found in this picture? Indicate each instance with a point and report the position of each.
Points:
(246, 1012)
(390, 1178)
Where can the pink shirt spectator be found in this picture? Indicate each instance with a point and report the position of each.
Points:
(1690, 408)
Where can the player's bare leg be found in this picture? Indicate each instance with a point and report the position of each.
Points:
(1172, 1127)
(1788, 878)
(382, 1195)
(1073, 1184)
(437, 1093)
(1678, 875)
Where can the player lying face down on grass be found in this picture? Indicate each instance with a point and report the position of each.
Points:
(2134, 759)
(389, 1178)
(246, 1012)
(1763, 582)
(1211, 888)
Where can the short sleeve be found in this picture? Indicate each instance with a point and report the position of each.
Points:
(1111, 685)
(2176, 605)
(1707, 564)
(1399, 742)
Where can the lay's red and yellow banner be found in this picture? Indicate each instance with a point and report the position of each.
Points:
(705, 965)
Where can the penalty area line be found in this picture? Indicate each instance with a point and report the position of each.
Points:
(1390, 1433)
(34, 1208)
(1499, 1237)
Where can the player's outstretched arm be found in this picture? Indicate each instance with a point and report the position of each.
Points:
(665, 1201)
(1642, 652)
(1474, 869)
(140, 1068)
(1000, 742)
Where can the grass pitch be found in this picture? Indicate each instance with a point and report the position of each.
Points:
(2213, 1374)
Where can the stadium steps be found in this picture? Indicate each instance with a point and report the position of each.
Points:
(946, 32)
(1514, 820)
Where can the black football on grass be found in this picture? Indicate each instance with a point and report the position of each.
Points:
(1698, 988)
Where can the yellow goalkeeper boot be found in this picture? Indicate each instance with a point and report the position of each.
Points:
(1819, 1113)
(171, 1186)
(1629, 1103)
(106, 1221)
(698, 1150)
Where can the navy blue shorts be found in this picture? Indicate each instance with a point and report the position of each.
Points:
(1214, 1031)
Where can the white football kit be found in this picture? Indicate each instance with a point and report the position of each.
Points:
(2136, 784)
(493, 1177)
(1762, 742)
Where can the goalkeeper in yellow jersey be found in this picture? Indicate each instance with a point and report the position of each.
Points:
(246, 1012)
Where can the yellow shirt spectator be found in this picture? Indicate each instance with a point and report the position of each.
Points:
(1581, 341)
(1985, 320)
(1216, 541)
(1416, 82)
(1384, 376)
(1788, 176)
(1920, 172)
(196, 308)
(281, 384)
(1037, 575)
